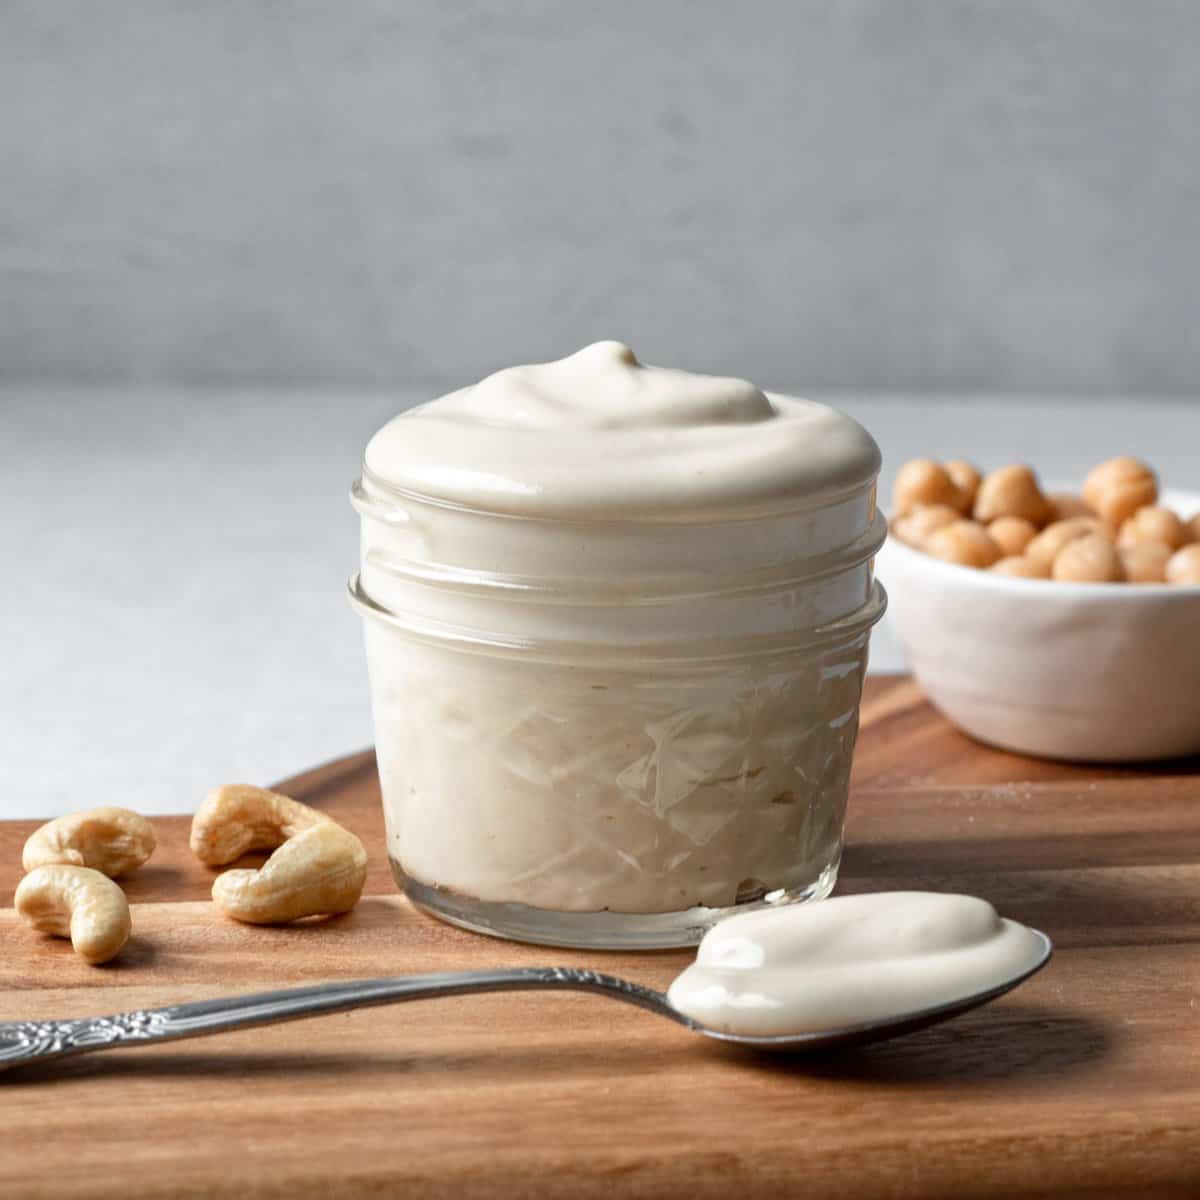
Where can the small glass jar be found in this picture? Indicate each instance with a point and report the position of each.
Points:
(652, 731)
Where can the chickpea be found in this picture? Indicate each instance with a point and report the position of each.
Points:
(1145, 562)
(914, 528)
(1088, 559)
(1018, 564)
(964, 542)
(1153, 524)
(1115, 531)
(1065, 505)
(1011, 492)
(1183, 567)
(966, 477)
(1046, 546)
(922, 481)
(1116, 489)
(1012, 534)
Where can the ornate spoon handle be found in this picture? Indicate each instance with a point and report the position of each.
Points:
(24, 1042)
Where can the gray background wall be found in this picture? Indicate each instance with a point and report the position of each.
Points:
(872, 194)
(236, 235)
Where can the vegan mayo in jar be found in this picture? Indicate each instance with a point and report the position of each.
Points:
(616, 625)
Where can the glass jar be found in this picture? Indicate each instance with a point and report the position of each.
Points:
(652, 731)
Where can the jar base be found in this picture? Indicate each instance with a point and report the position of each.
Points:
(592, 930)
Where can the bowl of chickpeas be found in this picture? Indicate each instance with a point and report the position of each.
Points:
(1057, 622)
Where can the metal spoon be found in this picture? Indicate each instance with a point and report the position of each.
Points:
(23, 1042)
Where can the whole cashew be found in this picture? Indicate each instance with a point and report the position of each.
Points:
(319, 871)
(237, 818)
(111, 840)
(78, 903)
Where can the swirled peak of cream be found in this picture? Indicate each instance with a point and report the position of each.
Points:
(830, 964)
(599, 434)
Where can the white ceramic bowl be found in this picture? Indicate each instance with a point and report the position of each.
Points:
(1095, 672)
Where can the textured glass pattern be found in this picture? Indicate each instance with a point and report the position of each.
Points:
(636, 790)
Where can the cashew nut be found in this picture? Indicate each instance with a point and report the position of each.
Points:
(78, 903)
(320, 870)
(237, 818)
(111, 840)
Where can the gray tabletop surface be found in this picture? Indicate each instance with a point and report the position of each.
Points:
(174, 614)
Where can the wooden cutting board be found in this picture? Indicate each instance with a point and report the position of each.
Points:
(1086, 1081)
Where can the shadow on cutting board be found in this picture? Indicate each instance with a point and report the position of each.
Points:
(998, 1044)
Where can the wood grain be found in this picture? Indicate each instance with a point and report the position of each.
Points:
(1085, 1082)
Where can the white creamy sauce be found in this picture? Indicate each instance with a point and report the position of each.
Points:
(806, 968)
(599, 434)
(592, 511)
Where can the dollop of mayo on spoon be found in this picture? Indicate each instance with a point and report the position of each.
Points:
(809, 968)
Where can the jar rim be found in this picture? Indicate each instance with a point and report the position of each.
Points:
(706, 651)
(365, 504)
(650, 589)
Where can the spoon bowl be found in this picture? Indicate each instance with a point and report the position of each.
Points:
(884, 1028)
(28, 1042)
